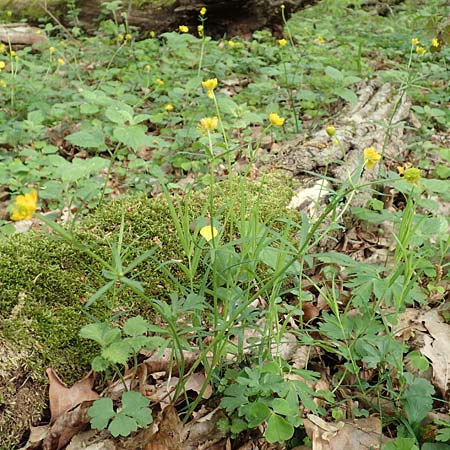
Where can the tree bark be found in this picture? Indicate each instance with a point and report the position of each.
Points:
(224, 17)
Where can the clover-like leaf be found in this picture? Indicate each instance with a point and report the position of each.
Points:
(101, 412)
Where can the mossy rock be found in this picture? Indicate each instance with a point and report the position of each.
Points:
(45, 283)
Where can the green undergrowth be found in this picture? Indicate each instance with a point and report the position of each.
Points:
(45, 282)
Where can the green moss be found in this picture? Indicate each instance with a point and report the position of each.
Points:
(45, 282)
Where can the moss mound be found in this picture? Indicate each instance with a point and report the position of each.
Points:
(45, 283)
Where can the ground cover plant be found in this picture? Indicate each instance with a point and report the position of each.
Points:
(150, 231)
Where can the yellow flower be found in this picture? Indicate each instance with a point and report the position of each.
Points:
(12, 53)
(435, 42)
(120, 37)
(282, 6)
(415, 41)
(61, 62)
(24, 206)
(200, 30)
(208, 123)
(282, 42)
(2, 65)
(208, 232)
(210, 85)
(147, 68)
(152, 34)
(183, 28)
(2, 83)
(411, 174)
(371, 157)
(2, 47)
(231, 43)
(276, 120)
(38, 32)
(320, 40)
(420, 50)
(335, 142)
(203, 11)
(331, 131)
(51, 49)
(168, 107)
(128, 37)
(160, 82)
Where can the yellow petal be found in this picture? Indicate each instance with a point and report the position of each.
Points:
(208, 232)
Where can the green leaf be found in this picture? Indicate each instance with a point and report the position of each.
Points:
(88, 138)
(120, 113)
(443, 435)
(101, 412)
(99, 364)
(256, 414)
(278, 429)
(282, 406)
(418, 361)
(133, 136)
(401, 444)
(347, 94)
(118, 352)
(122, 425)
(100, 332)
(334, 73)
(435, 446)
(417, 400)
(135, 326)
(133, 400)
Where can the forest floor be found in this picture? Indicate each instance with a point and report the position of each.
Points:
(242, 242)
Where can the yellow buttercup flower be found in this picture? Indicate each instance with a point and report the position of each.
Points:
(331, 131)
(411, 174)
(282, 42)
(276, 120)
(60, 61)
(2, 83)
(128, 37)
(2, 65)
(208, 123)
(168, 107)
(147, 67)
(12, 53)
(210, 85)
(371, 157)
(415, 41)
(320, 40)
(183, 28)
(120, 37)
(209, 232)
(435, 42)
(420, 50)
(24, 206)
(160, 82)
(231, 43)
(200, 30)
(203, 11)
(52, 49)
(152, 34)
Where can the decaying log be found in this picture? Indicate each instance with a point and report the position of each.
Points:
(364, 124)
(19, 33)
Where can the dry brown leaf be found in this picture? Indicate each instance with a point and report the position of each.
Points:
(202, 432)
(437, 348)
(358, 434)
(37, 436)
(66, 426)
(195, 383)
(169, 434)
(63, 398)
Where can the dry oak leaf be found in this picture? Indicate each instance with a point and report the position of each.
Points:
(63, 398)
(358, 434)
(437, 348)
